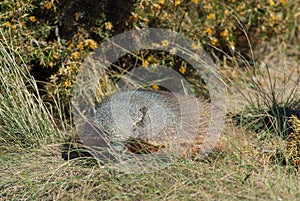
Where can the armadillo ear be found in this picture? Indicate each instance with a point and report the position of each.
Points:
(92, 112)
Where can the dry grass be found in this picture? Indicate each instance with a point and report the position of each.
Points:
(237, 174)
(25, 118)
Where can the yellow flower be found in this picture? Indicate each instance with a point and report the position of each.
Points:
(182, 69)
(166, 15)
(62, 71)
(211, 16)
(48, 5)
(149, 59)
(53, 79)
(80, 46)
(145, 64)
(108, 25)
(146, 20)
(135, 16)
(271, 2)
(71, 45)
(177, 2)
(67, 83)
(207, 7)
(241, 7)
(8, 24)
(158, 7)
(209, 31)
(78, 35)
(232, 46)
(73, 67)
(91, 43)
(225, 33)
(56, 56)
(162, 2)
(196, 45)
(69, 70)
(226, 12)
(51, 64)
(32, 18)
(283, 2)
(164, 43)
(155, 87)
(214, 41)
(274, 17)
(195, 1)
(75, 55)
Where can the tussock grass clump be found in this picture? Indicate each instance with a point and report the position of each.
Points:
(271, 113)
(25, 119)
(271, 102)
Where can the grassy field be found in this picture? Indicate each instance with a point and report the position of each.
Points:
(240, 173)
(260, 158)
(246, 170)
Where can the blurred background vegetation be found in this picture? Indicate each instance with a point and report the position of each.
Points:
(54, 37)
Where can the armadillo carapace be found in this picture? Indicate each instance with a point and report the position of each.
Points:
(144, 121)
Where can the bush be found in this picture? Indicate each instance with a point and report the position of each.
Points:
(54, 37)
(226, 26)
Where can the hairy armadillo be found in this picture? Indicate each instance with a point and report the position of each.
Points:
(154, 118)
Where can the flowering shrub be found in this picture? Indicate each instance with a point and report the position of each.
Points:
(55, 36)
(223, 25)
